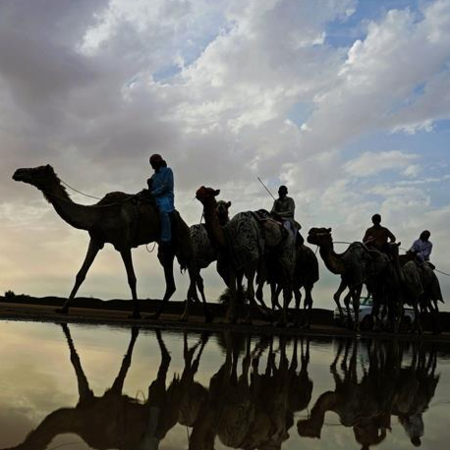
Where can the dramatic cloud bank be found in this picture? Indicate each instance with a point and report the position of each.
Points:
(346, 103)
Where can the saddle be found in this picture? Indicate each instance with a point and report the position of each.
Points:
(270, 224)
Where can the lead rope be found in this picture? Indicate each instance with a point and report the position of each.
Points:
(79, 192)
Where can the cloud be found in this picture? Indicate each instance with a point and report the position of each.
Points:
(371, 163)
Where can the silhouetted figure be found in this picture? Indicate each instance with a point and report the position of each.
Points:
(422, 247)
(161, 188)
(377, 236)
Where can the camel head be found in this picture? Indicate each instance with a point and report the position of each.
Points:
(222, 211)
(40, 177)
(310, 428)
(204, 194)
(320, 236)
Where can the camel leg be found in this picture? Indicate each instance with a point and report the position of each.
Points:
(308, 304)
(128, 261)
(376, 310)
(347, 300)
(337, 296)
(192, 293)
(166, 258)
(84, 391)
(117, 386)
(93, 249)
(231, 315)
(260, 280)
(250, 294)
(417, 324)
(275, 290)
(356, 294)
(437, 324)
(251, 297)
(259, 293)
(287, 297)
(298, 301)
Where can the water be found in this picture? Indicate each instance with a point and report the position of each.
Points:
(71, 387)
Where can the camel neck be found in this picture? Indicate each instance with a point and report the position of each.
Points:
(212, 222)
(326, 402)
(78, 216)
(332, 260)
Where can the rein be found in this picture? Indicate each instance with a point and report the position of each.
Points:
(87, 195)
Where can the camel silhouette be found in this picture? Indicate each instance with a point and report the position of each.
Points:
(123, 220)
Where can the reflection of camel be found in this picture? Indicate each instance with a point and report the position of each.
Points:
(356, 266)
(385, 389)
(116, 219)
(97, 420)
(279, 392)
(115, 420)
(253, 410)
(363, 405)
(415, 389)
(241, 244)
(205, 252)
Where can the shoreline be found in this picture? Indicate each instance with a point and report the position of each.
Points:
(119, 317)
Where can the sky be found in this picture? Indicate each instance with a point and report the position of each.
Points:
(346, 102)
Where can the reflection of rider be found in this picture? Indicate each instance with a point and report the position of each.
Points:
(161, 188)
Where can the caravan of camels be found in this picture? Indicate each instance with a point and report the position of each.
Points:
(250, 245)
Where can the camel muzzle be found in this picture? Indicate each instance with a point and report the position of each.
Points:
(18, 175)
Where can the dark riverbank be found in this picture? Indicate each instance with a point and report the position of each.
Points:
(116, 312)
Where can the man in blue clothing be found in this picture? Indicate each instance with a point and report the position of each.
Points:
(161, 188)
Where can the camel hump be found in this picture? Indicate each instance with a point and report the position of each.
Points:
(113, 197)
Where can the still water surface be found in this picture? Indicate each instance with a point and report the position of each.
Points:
(80, 387)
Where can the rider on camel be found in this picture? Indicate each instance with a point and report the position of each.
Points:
(161, 188)
(422, 248)
(378, 237)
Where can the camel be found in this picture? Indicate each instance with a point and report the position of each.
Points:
(404, 286)
(305, 276)
(241, 244)
(357, 265)
(432, 294)
(121, 220)
(205, 252)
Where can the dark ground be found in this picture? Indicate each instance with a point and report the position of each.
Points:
(116, 312)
